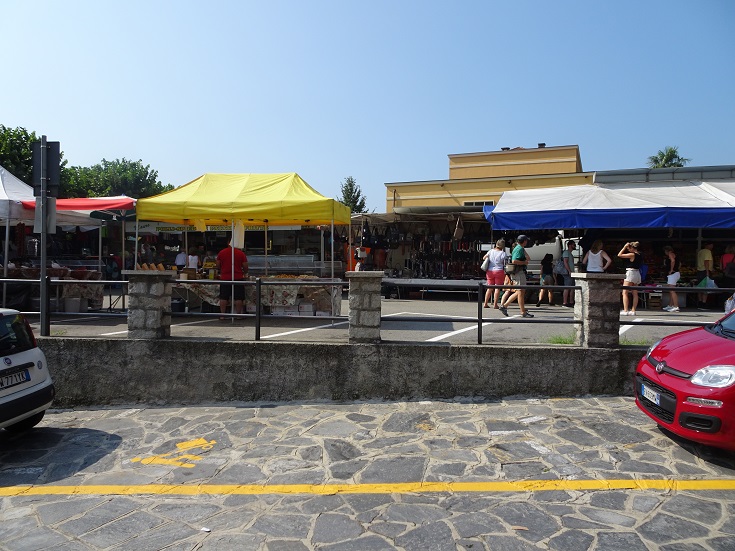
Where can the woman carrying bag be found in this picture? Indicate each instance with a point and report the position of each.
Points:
(495, 274)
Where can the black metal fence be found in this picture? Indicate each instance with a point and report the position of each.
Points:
(115, 293)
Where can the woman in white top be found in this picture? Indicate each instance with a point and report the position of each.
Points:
(495, 274)
(596, 259)
(192, 261)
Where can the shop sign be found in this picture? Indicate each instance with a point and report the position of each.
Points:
(159, 227)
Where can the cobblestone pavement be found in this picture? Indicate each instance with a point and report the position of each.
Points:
(516, 474)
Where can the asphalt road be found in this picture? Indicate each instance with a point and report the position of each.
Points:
(551, 325)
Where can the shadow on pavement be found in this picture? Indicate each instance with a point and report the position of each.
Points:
(710, 454)
(46, 454)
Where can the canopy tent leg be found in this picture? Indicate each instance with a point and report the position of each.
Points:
(232, 269)
(265, 246)
(6, 251)
(135, 259)
(99, 248)
(5, 257)
(122, 242)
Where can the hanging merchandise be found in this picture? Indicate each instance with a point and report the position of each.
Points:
(394, 237)
(447, 235)
(378, 239)
(366, 237)
(459, 229)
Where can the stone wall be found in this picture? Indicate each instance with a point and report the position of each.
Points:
(96, 372)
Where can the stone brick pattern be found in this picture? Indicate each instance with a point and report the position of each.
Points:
(365, 306)
(597, 305)
(149, 309)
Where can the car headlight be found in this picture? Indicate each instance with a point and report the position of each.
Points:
(715, 376)
(650, 351)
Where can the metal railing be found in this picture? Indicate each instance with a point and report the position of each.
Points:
(259, 315)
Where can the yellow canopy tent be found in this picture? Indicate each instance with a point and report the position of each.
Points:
(218, 199)
(221, 199)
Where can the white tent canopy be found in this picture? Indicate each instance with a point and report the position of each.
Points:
(661, 204)
(13, 191)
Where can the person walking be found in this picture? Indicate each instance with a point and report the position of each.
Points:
(495, 274)
(727, 265)
(671, 269)
(632, 276)
(705, 264)
(231, 272)
(568, 258)
(596, 260)
(520, 259)
(546, 278)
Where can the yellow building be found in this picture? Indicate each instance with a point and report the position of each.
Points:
(477, 179)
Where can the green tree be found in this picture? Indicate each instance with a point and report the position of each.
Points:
(352, 196)
(668, 157)
(16, 154)
(118, 177)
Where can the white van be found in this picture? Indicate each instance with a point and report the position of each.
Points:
(538, 251)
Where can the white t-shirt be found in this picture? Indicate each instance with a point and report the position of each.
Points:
(192, 261)
(594, 262)
(497, 260)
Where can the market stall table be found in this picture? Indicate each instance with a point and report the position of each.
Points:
(290, 292)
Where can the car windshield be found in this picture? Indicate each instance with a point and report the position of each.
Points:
(14, 335)
(724, 327)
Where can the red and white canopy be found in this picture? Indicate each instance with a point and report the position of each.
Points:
(120, 202)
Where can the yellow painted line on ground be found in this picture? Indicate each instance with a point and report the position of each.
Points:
(397, 488)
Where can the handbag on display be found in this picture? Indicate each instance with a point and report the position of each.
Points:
(366, 239)
(459, 229)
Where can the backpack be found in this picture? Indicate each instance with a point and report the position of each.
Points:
(559, 267)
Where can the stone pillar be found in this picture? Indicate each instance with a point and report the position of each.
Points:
(365, 306)
(149, 306)
(597, 305)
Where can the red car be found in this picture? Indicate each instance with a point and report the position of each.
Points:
(686, 383)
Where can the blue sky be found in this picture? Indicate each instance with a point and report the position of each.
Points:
(381, 91)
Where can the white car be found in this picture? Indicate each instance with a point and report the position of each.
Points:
(26, 388)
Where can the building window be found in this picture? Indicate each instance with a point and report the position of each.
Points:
(478, 203)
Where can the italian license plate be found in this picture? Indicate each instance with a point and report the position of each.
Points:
(651, 395)
(13, 379)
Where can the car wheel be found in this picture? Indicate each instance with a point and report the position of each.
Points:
(26, 424)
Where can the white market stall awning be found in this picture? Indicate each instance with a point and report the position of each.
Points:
(661, 204)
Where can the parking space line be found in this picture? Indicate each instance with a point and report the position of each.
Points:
(472, 327)
(625, 328)
(390, 488)
(303, 330)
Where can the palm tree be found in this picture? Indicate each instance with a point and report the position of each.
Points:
(667, 158)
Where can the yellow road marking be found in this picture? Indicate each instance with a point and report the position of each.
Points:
(397, 488)
(177, 458)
